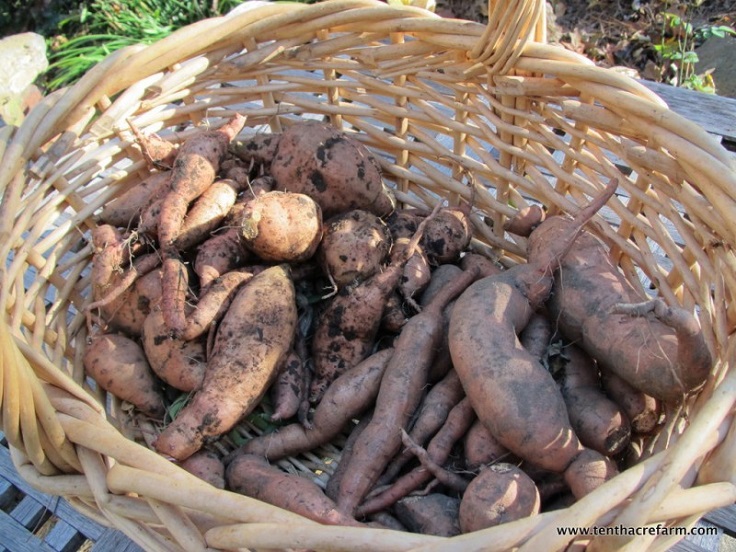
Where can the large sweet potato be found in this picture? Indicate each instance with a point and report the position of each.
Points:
(251, 340)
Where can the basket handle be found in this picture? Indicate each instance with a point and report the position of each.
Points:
(511, 25)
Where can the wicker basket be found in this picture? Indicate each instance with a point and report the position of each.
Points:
(436, 99)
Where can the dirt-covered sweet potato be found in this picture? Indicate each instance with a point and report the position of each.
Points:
(354, 246)
(179, 363)
(333, 168)
(128, 312)
(252, 338)
(207, 466)
(118, 365)
(498, 494)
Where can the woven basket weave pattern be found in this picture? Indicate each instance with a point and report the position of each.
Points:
(444, 103)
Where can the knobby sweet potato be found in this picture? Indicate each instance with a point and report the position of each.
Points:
(282, 226)
(125, 210)
(252, 338)
(354, 246)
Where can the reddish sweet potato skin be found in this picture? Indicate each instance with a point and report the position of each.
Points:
(129, 311)
(118, 364)
(253, 476)
(251, 340)
(126, 209)
(498, 494)
(587, 287)
(207, 466)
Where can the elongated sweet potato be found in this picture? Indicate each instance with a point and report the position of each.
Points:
(398, 397)
(598, 421)
(253, 476)
(348, 396)
(661, 353)
(642, 411)
(354, 246)
(125, 210)
(118, 365)
(253, 336)
(128, 312)
(498, 494)
(480, 448)
(214, 302)
(510, 390)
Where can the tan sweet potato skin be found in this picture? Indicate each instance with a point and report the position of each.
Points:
(129, 311)
(254, 335)
(118, 364)
(179, 363)
(337, 171)
(498, 494)
(282, 226)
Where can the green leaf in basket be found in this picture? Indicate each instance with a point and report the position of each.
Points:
(173, 410)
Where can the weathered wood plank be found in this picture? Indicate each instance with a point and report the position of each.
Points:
(116, 541)
(725, 518)
(16, 538)
(64, 537)
(716, 114)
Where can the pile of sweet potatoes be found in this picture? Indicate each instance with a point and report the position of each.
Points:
(276, 277)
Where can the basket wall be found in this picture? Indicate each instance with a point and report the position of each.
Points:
(445, 104)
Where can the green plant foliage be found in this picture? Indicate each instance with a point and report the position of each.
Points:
(676, 48)
(99, 27)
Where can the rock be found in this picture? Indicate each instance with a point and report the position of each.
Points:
(22, 59)
(718, 54)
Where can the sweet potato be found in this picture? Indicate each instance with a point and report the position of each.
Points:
(399, 395)
(447, 235)
(526, 220)
(128, 312)
(157, 152)
(119, 366)
(498, 494)
(433, 412)
(346, 328)
(179, 363)
(125, 210)
(286, 392)
(207, 212)
(642, 411)
(394, 314)
(661, 353)
(598, 422)
(214, 302)
(334, 169)
(354, 246)
(253, 336)
(433, 514)
(417, 270)
(487, 266)
(253, 476)
(511, 392)
(207, 466)
(350, 394)
(480, 448)
(282, 226)
(438, 450)
(194, 170)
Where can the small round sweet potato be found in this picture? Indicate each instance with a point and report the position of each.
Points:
(208, 466)
(447, 235)
(354, 246)
(282, 226)
(498, 494)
